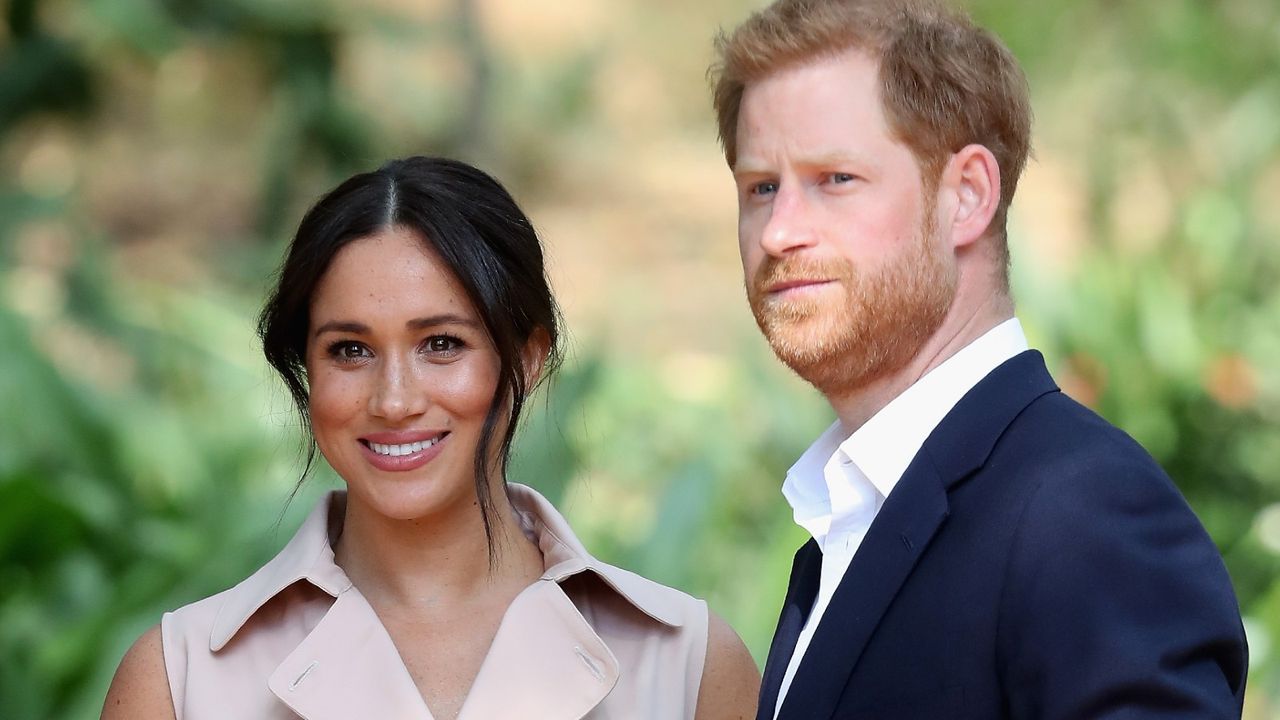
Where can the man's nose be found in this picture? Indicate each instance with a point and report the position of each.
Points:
(397, 395)
(790, 225)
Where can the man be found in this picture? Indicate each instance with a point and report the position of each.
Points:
(983, 546)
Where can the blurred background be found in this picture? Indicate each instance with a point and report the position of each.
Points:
(155, 156)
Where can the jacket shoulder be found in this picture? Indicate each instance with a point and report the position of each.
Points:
(1066, 447)
(1107, 559)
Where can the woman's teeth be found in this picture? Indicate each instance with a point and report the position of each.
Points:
(406, 449)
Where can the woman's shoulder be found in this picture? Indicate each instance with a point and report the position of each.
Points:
(140, 687)
(730, 677)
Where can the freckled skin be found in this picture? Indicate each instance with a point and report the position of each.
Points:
(397, 375)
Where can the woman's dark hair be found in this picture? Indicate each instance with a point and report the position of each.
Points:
(477, 230)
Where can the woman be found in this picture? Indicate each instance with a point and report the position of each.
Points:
(411, 319)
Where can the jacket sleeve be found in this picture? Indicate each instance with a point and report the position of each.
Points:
(1116, 603)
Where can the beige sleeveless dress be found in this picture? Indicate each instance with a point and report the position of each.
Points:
(296, 639)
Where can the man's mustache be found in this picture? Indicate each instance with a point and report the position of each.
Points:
(780, 271)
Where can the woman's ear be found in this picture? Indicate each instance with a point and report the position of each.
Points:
(534, 355)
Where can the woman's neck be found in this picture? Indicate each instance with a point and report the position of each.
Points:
(438, 561)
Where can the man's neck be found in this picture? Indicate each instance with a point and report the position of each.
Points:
(963, 324)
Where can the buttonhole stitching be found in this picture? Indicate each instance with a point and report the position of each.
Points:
(303, 676)
(589, 662)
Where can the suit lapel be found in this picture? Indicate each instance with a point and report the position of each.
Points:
(902, 531)
(806, 572)
(898, 536)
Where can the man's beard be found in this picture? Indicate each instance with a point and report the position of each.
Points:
(886, 316)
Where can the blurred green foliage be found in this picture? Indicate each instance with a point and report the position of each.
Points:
(146, 455)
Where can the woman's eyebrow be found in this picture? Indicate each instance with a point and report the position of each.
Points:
(358, 328)
(342, 326)
(442, 319)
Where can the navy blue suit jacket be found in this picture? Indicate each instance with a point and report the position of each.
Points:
(1032, 562)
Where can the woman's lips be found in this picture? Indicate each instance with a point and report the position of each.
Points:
(400, 452)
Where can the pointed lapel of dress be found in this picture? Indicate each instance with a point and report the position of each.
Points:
(348, 667)
(307, 558)
(545, 662)
(802, 588)
(903, 529)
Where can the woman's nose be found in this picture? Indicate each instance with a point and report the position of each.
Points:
(396, 394)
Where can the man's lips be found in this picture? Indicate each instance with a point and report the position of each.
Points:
(785, 285)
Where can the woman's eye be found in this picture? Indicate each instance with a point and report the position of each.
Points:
(346, 350)
(442, 345)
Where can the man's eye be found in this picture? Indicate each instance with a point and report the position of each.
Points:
(841, 178)
(764, 188)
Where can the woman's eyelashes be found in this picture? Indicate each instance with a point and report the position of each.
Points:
(443, 346)
(436, 347)
(348, 351)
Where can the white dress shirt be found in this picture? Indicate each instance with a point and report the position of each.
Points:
(839, 484)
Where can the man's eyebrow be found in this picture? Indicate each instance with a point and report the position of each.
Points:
(824, 158)
(358, 328)
(833, 157)
(750, 169)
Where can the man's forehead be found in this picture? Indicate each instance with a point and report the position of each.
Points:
(856, 60)
(846, 83)
(822, 114)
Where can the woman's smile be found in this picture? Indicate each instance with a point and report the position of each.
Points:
(401, 451)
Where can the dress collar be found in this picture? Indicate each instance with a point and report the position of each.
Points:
(564, 556)
(309, 557)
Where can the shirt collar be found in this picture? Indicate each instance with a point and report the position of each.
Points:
(885, 445)
(309, 557)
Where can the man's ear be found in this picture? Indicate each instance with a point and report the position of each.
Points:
(534, 355)
(972, 178)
